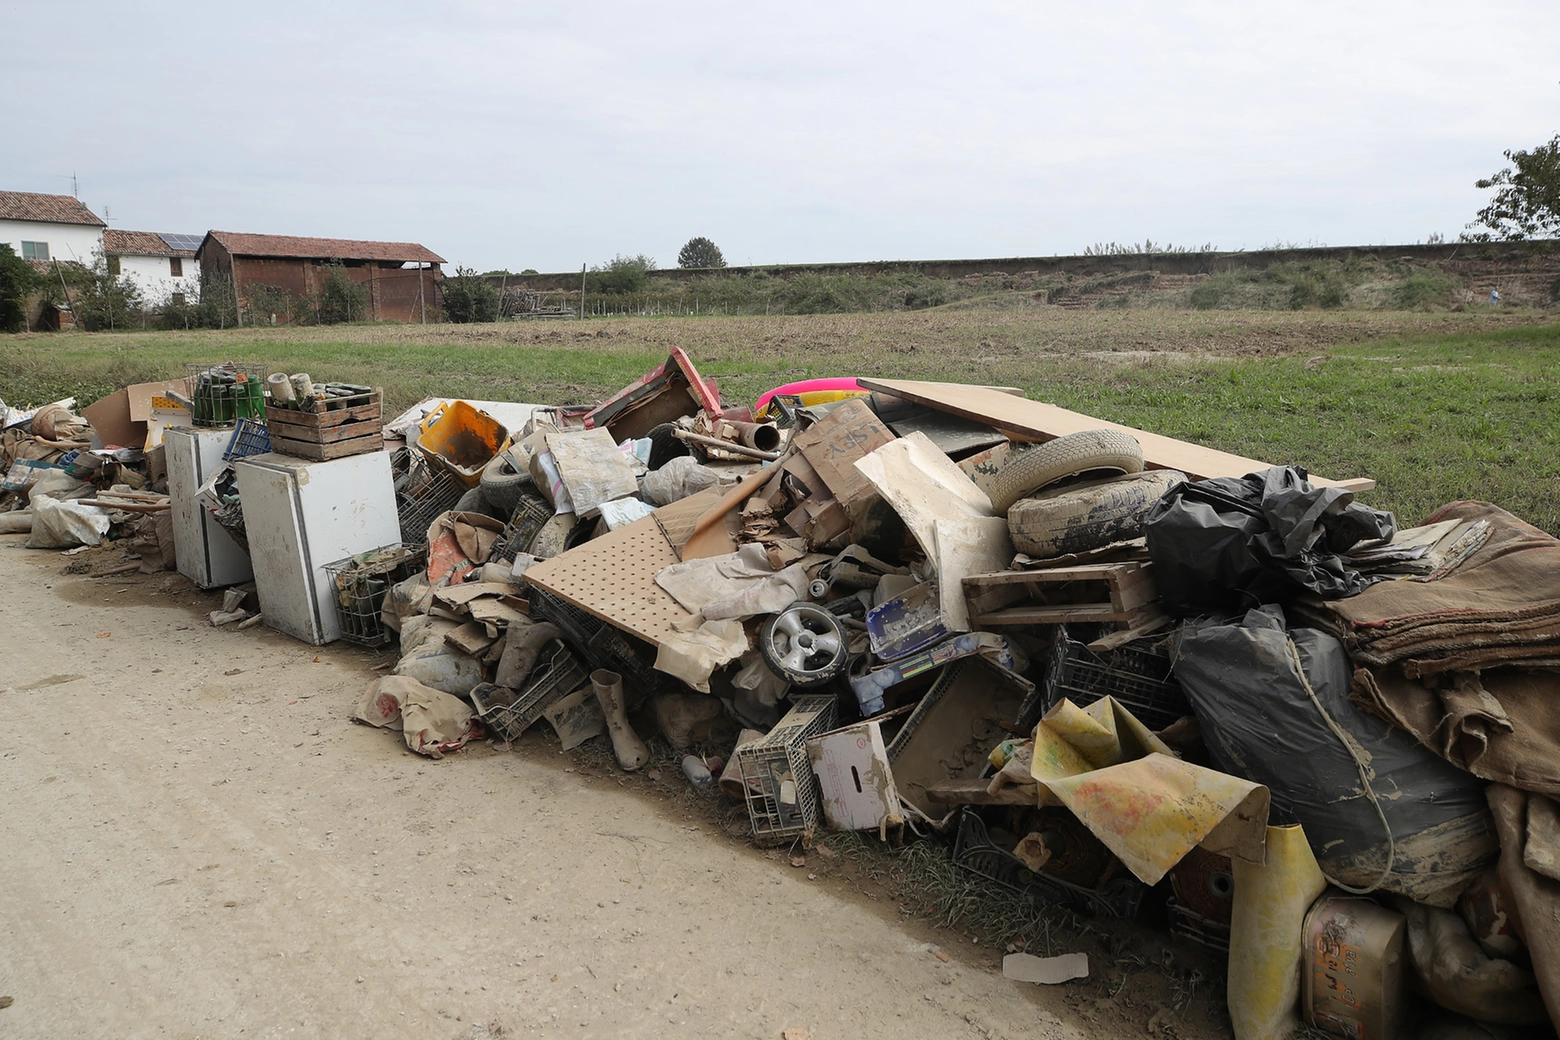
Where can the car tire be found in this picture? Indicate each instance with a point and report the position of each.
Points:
(1030, 469)
(501, 485)
(1076, 518)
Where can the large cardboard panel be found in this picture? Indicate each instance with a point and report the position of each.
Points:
(1027, 420)
(834, 443)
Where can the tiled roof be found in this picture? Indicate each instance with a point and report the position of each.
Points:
(321, 248)
(54, 209)
(139, 243)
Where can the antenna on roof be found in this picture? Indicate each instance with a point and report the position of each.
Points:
(75, 188)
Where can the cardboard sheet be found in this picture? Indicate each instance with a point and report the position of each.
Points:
(1027, 420)
(949, 517)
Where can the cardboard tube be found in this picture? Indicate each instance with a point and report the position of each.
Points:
(281, 387)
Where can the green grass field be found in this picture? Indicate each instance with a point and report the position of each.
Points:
(1434, 406)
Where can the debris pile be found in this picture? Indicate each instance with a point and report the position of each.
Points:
(1108, 668)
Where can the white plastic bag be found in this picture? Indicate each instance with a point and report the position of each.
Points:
(64, 525)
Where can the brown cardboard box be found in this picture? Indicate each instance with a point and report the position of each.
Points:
(834, 443)
(120, 418)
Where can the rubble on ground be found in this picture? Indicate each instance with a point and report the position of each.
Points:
(1109, 670)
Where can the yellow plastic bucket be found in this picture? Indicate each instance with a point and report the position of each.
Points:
(462, 439)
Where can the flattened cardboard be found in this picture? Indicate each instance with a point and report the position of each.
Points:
(1027, 420)
(121, 417)
(834, 443)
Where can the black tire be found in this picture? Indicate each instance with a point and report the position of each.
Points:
(1079, 517)
(1030, 469)
(805, 645)
(664, 447)
(501, 485)
(470, 502)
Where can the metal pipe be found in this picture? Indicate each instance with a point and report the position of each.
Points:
(735, 449)
(763, 436)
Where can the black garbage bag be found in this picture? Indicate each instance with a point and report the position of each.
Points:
(1231, 543)
(1248, 684)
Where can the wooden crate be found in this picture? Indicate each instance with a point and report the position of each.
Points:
(1119, 592)
(319, 433)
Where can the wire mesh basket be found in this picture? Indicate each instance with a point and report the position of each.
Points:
(223, 393)
(531, 513)
(422, 493)
(783, 800)
(562, 676)
(359, 584)
(974, 851)
(250, 437)
(1138, 674)
(600, 644)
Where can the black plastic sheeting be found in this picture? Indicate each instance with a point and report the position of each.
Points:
(1259, 722)
(1233, 543)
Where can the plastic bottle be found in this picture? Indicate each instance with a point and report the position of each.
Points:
(697, 772)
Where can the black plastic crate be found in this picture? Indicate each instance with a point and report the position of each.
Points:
(562, 675)
(600, 644)
(531, 514)
(973, 851)
(1138, 674)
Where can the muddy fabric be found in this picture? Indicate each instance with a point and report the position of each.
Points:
(1248, 685)
(1502, 724)
(1502, 604)
(1535, 898)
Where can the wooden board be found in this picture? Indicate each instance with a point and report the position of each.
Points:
(371, 410)
(973, 792)
(1027, 420)
(322, 407)
(1101, 592)
(375, 441)
(327, 434)
(613, 578)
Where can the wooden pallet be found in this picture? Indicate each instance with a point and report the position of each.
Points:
(319, 433)
(1103, 592)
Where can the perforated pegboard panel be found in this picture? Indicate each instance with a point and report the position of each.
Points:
(613, 577)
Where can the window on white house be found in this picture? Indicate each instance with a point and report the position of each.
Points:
(35, 250)
(176, 266)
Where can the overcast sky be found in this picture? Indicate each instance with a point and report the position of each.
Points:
(549, 135)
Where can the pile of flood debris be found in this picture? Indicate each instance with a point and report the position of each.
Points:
(1109, 669)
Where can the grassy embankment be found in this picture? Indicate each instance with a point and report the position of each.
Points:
(1435, 406)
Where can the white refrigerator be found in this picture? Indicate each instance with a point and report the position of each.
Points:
(205, 552)
(301, 516)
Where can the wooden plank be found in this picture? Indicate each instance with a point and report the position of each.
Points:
(973, 792)
(315, 420)
(1051, 614)
(1126, 585)
(1148, 621)
(327, 434)
(1024, 419)
(322, 406)
(323, 452)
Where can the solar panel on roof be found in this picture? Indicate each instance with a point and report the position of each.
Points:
(190, 242)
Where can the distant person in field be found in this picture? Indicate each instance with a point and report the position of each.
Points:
(1494, 297)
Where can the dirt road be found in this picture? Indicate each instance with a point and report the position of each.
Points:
(197, 843)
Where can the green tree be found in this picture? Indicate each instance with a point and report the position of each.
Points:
(17, 281)
(97, 297)
(467, 297)
(699, 252)
(1527, 204)
(341, 298)
(621, 274)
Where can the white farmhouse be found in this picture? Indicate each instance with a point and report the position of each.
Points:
(162, 266)
(49, 227)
